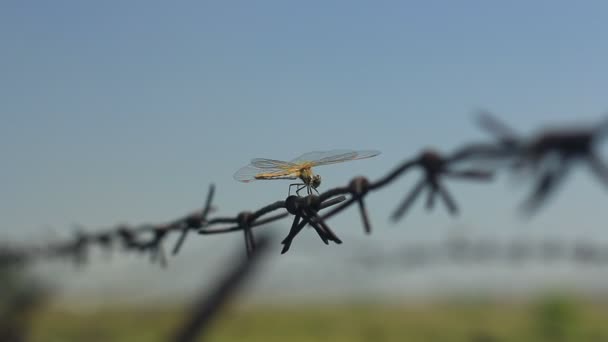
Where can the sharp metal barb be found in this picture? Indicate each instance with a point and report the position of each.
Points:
(496, 127)
(314, 217)
(367, 227)
(292, 234)
(430, 195)
(186, 228)
(322, 234)
(407, 202)
(477, 152)
(447, 198)
(181, 239)
(249, 240)
(309, 216)
(544, 187)
(208, 201)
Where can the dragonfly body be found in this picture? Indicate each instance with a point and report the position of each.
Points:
(299, 168)
(305, 174)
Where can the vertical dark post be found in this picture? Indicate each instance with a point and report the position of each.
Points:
(207, 306)
(244, 221)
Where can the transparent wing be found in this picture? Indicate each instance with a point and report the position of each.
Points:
(263, 163)
(335, 156)
(269, 168)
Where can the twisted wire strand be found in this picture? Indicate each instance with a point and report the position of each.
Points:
(548, 155)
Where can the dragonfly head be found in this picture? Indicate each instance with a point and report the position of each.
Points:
(316, 181)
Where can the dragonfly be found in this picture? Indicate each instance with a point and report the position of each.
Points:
(298, 168)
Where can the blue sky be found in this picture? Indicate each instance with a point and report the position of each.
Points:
(125, 111)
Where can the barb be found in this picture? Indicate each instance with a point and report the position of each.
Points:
(435, 166)
(548, 155)
(195, 222)
(245, 221)
(305, 211)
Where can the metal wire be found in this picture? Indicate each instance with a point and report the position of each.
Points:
(547, 155)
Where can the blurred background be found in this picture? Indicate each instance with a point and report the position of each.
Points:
(124, 112)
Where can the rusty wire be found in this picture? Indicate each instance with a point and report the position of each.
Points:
(548, 155)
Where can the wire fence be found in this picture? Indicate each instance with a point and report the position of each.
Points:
(546, 157)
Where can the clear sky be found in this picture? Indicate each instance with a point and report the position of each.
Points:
(125, 111)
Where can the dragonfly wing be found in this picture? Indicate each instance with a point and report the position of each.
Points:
(263, 163)
(246, 174)
(334, 156)
(266, 169)
(313, 156)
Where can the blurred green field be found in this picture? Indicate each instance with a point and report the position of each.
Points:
(550, 318)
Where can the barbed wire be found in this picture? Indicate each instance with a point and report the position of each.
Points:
(546, 156)
(549, 155)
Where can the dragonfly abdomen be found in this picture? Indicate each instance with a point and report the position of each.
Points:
(275, 175)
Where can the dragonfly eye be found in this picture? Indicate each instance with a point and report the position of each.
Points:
(316, 181)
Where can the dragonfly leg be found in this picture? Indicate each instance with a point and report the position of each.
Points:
(294, 184)
(300, 189)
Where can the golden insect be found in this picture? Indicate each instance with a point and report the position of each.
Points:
(299, 168)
